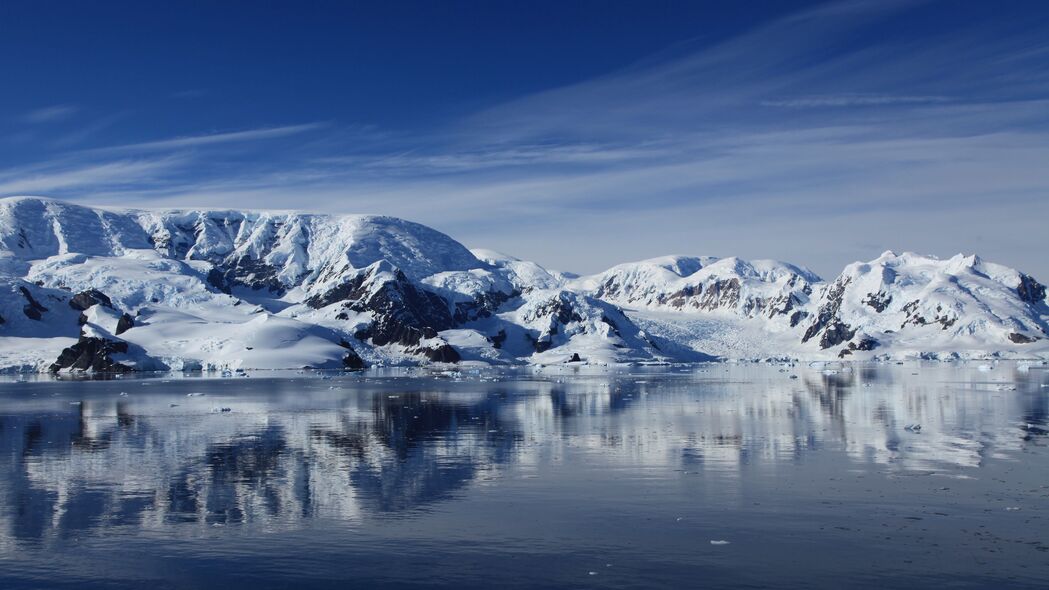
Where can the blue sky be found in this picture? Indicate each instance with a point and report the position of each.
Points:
(577, 134)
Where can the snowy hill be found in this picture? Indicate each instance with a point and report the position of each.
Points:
(119, 290)
(921, 305)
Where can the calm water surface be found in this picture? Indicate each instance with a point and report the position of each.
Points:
(708, 476)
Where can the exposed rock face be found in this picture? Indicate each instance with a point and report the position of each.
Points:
(1030, 290)
(92, 354)
(1020, 338)
(402, 313)
(559, 309)
(246, 272)
(864, 343)
(353, 361)
(747, 288)
(499, 339)
(944, 318)
(835, 331)
(32, 309)
(797, 317)
(717, 295)
(440, 352)
(125, 323)
(878, 301)
(483, 306)
(552, 315)
(85, 299)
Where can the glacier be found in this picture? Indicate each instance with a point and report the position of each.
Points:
(92, 289)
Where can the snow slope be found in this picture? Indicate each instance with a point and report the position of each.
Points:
(114, 290)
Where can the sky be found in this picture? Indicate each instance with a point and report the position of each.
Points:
(578, 134)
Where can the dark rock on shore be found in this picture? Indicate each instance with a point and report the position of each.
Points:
(440, 353)
(92, 354)
(352, 361)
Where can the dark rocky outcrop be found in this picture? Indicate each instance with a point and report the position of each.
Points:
(865, 343)
(556, 313)
(246, 272)
(716, 294)
(125, 323)
(92, 354)
(827, 318)
(836, 333)
(483, 306)
(541, 343)
(403, 313)
(352, 361)
(945, 319)
(559, 309)
(1030, 290)
(439, 353)
(85, 299)
(575, 358)
(499, 339)
(878, 301)
(720, 294)
(1020, 338)
(611, 324)
(32, 309)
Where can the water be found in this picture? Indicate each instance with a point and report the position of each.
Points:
(567, 478)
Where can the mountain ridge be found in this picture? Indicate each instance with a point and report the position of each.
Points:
(347, 291)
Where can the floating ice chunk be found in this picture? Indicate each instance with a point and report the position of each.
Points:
(719, 542)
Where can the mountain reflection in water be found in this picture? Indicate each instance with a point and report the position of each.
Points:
(145, 458)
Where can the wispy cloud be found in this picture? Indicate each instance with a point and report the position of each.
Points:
(492, 157)
(191, 141)
(50, 114)
(852, 100)
(101, 176)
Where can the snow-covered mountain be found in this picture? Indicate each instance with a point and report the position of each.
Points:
(116, 290)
